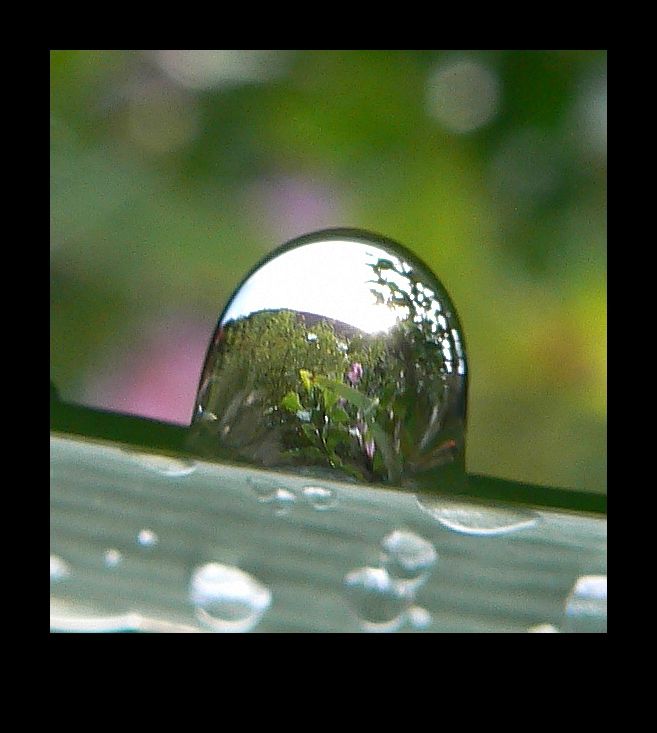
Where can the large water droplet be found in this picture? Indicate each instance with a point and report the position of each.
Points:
(586, 605)
(477, 519)
(340, 352)
(227, 599)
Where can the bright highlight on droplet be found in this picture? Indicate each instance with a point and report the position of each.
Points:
(463, 95)
(339, 356)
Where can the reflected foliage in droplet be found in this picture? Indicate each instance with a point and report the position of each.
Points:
(341, 352)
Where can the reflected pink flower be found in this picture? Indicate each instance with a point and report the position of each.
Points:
(355, 372)
(154, 373)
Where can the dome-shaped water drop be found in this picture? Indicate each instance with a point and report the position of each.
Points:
(340, 354)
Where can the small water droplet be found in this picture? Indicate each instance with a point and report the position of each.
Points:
(320, 497)
(268, 492)
(419, 618)
(586, 605)
(283, 501)
(476, 519)
(164, 465)
(227, 599)
(112, 558)
(264, 490)
(147, 538)
(408, 558)
(59, 569)
(340, 352)
(378, 602)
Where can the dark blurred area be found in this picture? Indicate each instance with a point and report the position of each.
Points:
(174, 172)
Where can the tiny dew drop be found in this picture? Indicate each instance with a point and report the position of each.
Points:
(320, 497)
(270, 492)
(340, 354)
(112, 558)
(283, 501)
(147, 538)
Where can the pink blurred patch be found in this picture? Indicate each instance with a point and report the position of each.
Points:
(289, 206)
(156, 374)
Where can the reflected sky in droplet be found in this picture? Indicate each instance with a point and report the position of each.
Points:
(290, 281)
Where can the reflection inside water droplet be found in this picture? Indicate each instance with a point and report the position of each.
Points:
(226, 598)
(477, 519)
(341, 352)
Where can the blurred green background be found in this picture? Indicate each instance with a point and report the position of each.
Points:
(174, 172)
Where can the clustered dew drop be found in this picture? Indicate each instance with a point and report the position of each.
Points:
(383, 597)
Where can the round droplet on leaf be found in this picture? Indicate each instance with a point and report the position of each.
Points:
(340, 353)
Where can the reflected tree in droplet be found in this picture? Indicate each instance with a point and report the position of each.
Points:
(342, 354)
